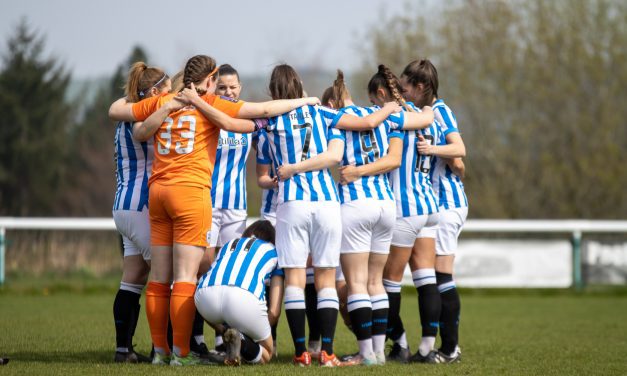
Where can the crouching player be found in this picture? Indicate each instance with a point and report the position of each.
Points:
(232, 293)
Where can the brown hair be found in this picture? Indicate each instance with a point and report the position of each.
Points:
(227, 70)
(337, 93)
(197, 69)
(384, 78)
(177, 82)
(423, 72)
(142, 78)
(260, 229)
(285, 83)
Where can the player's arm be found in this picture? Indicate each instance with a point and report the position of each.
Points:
(276, 298)
(332, 156)
(121, 110)
(351, 122)
(457, 166)
(454, 147)
(264, 180)
(215, 116)
(418, 120)
(143, 131)
(391, 161)
(251, 110)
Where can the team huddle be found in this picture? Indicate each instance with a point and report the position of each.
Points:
(180, 206)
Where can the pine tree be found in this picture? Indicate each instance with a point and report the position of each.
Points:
(33, 126)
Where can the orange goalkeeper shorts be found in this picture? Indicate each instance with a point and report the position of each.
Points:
(179, 214)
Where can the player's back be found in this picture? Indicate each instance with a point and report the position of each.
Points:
(411, 182)
(297, 136)
(133, 161)
(245, 263)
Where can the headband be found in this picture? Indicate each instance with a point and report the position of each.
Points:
(143, 92)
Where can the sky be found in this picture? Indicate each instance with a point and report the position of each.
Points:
(93, 37)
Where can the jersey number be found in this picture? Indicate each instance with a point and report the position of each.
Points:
(188, 135)
(369, 144)
(423, 162)
(306, 141)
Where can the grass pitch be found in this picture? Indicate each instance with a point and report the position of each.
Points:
(64, 332)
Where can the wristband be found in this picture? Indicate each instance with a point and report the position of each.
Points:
(260, 124)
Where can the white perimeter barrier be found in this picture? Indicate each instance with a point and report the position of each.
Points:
(555, 259)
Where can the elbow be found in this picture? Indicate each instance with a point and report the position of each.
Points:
(336, 158)
(141, 136)
(395, 163)
(462, 152)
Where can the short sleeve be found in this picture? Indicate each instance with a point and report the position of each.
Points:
(329, 116)
(396, 121)
(445, 118)
(392, 132)
(144, 108)
(227, 105)
(263, 149)
(334, 133)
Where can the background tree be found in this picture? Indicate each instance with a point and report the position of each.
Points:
(34, 127)
(538, 88)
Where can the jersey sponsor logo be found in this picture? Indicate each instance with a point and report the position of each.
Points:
(232, 142)
(229, 99)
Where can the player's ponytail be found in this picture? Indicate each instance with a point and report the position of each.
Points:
(423, 72)
(197, 69)
(336, 95)
(386, 80)
(285, 83)
(142, 78)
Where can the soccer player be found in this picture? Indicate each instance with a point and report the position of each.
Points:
(413, 239)
(179, 200)
(420, 85)
(233, 293)
(368, 216)
(130, 209)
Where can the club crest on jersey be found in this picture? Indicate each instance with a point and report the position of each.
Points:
(229, 99)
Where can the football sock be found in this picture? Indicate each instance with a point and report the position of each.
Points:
(250, 350)
(198, 329)
(429, 306)
(124, 307)
(219, 341)
(295, 313)
(380, 308)
(182, 311)
(449, 317)
(311, 306)
(328, 307)
(360, 312)
(402, 341)
(395, 324)
(157, 312)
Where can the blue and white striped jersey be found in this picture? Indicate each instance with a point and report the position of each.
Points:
(268, 196)
(245, 263)
(133, 161)
(296, 136)
(411, 182)
(363, 147)
(228, 182)
(448, 187)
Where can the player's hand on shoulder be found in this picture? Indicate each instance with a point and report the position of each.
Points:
(312, 101)
(188, 95)
(393, 107)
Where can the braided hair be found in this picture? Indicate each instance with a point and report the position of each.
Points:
(384, 78)
(196, 70)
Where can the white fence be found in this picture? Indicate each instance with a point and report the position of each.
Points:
(573, 229)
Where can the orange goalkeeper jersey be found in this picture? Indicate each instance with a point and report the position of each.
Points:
(186, 143)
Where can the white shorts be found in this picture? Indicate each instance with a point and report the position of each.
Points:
(238, 308)
(270, 216)
(134, 226)
(305, 227)
(339, 274)
(408, 229)
(226, 225)
(451, 223)
(367, 226)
